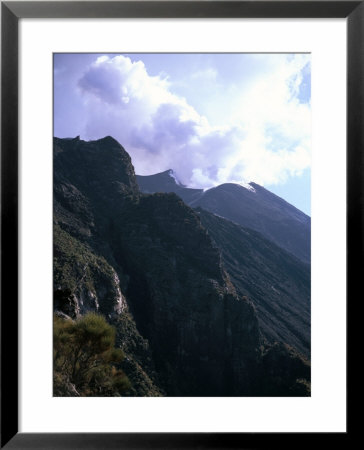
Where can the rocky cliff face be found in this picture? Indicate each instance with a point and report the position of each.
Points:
(147, 264)
(276, 282)
(256, 256)
(251, 206)
(183, 299)
(89, 180)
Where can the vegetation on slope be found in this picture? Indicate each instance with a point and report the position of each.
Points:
(73, 260)
(182, 328)
(85, 360)
(83, 281)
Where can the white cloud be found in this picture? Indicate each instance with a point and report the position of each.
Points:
(265, 136)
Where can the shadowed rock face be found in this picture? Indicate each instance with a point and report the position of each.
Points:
(101, 164)
(251, 206)
(259, 257)
(201, 334)
(166, 182)
(148, 265)
(277, 283)
(181, 298)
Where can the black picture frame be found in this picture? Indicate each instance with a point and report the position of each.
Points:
(11, 12)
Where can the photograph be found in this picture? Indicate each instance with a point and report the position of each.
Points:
(181, 207)
(182, 224)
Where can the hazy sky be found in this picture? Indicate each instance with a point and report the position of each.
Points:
(212, 118)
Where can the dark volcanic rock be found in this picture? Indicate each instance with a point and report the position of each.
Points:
(261, 264)
(97, 164)
(253, 207)
(182, 299)
(202, 336)
(83, 281)
(286, 369)
(166, 182)
(184, 329)
(276, 282)
(262, 211)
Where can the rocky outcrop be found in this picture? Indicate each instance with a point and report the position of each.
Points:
(255, 255)
(182, 299)
(95, 164)
(149, 266)
(276, 282)
(83, 281)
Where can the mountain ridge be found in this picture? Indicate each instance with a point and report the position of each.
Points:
(147, 263)
(255, 208)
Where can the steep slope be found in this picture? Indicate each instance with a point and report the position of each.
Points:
(182, 299)
(277, 283)
(251, 206)
(148, 265)
(86, 276)
(167, 182)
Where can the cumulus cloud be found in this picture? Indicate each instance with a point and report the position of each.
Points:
(264, 137)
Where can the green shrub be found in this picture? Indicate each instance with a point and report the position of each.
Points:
(85, 359)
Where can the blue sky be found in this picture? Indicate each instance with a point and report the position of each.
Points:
(212, 118)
